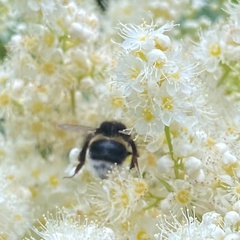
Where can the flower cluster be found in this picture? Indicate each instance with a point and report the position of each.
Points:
(143, 63)
(116, 198)
(209, 228)
(158, 79)
(65, 226)
(15, 204)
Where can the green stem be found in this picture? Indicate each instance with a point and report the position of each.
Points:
(169, 142)
(73, 101)
(156, 201)
(226, 72)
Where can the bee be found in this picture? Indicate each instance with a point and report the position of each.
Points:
(105, 146)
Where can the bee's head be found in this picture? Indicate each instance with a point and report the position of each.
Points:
(110, 128)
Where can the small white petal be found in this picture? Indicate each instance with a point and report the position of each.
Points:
(228, 158)
(232, 236)
(165, 163)
(73, 155)
(231, 217)
(192, 165)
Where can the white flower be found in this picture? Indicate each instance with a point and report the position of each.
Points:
(210, 49)
(158, 80)
(67, 227)
(116, 198)
(136, 37)
(132, 75)
(189, 227)
(15, 204)
(148, 122)
(184, 195)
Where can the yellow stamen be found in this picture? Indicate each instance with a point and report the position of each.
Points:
(36, 127)
(36, 172)
(134, 73)
(148, 115)
(142, 235)
(167, 103)
(140, 187)
(215, 49)
(48, 68)
(37, 107)
(18, 217)
(49, 39)
(117, 102)
(54, 181)
(124, 200)
(237, 190)
(184, 196)
(230, 168)
(4, 99)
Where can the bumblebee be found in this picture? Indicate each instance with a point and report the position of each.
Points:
(105, 146)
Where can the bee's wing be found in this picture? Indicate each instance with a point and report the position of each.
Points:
(76, 128)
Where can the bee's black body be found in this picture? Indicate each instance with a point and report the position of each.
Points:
(109, 150)
(107, 146)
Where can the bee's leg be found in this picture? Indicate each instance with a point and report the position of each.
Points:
(134, 161)
(82, 155)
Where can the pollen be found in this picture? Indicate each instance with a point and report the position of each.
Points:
(183, 197)
(237, 191)
(37, 107)
(161, 45)
(36, 172)
(10, 177)
(215, 49)
(134, 73)
(142, 235)
(141, 55)
(48, 68)
(148, 115)
(36, 127)
(33, 190)
(210, 142)
(54, 181)
(124, 200)
(48, 39)
(30, 41)
(2, 153)
(175, 75)
(230, 168)
(140, 187)
(127, 10)
(18, 217)
(167, 103)
(117, 102)
(3, 80)
(4, 99)
(159, 64)
(151, 160)
(143, 38)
